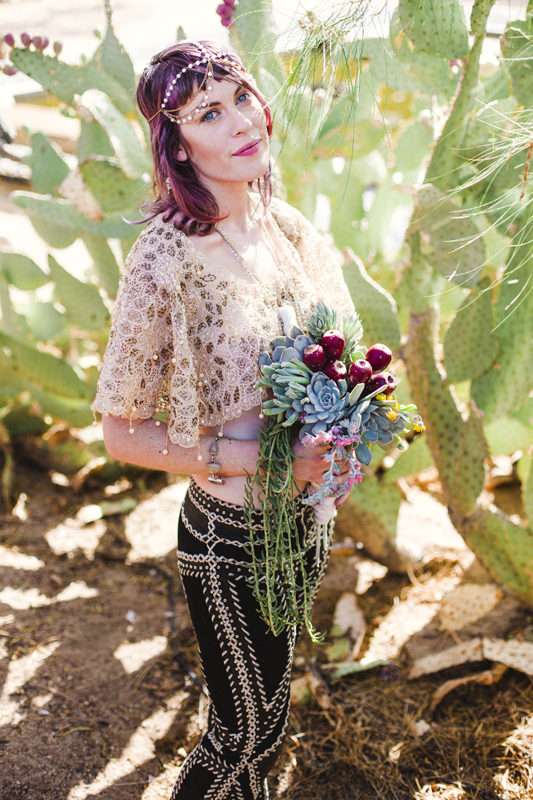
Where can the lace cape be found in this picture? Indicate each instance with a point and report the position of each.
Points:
(187, 334)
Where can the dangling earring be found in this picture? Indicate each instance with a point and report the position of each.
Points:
(169, 187)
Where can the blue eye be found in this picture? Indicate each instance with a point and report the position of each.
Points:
(209, 116)
(243, 97)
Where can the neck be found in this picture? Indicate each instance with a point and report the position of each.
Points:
(235, 207)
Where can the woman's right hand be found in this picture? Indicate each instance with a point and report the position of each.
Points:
(309, 464)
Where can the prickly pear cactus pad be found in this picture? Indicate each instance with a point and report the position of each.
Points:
(517, 50)
(507, 383)
(450, 243)
(436, 27)
(65, 81)
(375, 306)
(326, 387)
(455, 446)
(469, 344)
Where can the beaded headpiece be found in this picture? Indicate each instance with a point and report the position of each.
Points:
(224, 59)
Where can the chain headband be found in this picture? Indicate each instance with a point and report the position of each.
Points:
(223, 59)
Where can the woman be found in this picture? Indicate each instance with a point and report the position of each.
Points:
(198, 303)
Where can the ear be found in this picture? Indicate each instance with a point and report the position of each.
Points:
(182, 155)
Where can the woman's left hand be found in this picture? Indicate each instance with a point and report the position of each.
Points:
(340, 500)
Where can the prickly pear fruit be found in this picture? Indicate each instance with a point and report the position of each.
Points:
(333, 343)
(379, 357)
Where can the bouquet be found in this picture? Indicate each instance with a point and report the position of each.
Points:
(327, 388)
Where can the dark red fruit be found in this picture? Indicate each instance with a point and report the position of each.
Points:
(360, 371)
(379, 357)
(25, 38)
(335, 370)
(391, 383)
(314, 356)
(57, 48)
(9, 39)
(376, 382)
(333, 344)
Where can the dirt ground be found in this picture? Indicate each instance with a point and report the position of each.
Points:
(95, 643)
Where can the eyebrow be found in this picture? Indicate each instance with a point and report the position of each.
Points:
(217, 102)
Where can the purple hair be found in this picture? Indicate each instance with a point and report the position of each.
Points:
(188, 203)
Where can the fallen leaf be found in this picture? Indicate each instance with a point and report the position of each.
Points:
(451, 657)
(468, 603)
(486, 678)
(518, 655)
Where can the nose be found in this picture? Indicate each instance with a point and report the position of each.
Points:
(241, 123)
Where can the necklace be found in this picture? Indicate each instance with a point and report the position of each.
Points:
(241, 260)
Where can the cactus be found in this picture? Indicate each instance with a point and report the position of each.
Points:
(527, 492)
(131, 156)
(469, 344)
(45, 369)
(62, 214)
(22, 272)
(106, 268)
(506, 384)
(48, 167)
(376, 509)
(66, 82)
(415, 459)
(451, 244)
(517, 50)
(112, 190)
(70, 202)
(436, 27)
(375, 306)
(446, 162)
(84, 306)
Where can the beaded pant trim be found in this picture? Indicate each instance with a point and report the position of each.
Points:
(246, 668)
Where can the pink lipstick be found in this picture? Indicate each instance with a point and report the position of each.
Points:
(249, 149)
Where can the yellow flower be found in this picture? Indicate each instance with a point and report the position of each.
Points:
(418, 424)
(392, 415)
(380, 397)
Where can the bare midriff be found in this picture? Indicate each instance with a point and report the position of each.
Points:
(245, 427)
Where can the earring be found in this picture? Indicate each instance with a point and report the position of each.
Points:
(169, 187)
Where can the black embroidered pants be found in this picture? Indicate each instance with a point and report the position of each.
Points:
(246, 668)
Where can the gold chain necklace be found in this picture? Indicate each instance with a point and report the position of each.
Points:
(241, 260)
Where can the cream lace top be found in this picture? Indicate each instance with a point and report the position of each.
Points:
(187, 334)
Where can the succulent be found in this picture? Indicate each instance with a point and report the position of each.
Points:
(381, 423)
(327, 400)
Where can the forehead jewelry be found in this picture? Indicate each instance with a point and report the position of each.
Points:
(225, 59)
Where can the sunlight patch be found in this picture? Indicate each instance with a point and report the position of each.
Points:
(139, 749)
(19, 672)
(22, 599)
(16, 560)
(72, 535)
(133, 655)
(152, 528)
